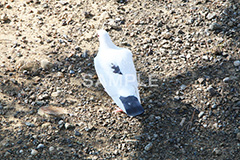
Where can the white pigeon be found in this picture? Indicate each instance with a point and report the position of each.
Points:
(116, 72)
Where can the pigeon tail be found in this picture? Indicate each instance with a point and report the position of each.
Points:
(132, 105)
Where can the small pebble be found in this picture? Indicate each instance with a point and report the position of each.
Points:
(60, 75)
(51, 148)
(217, 151)
(29, 124)
(238, 136)
(40, 146)
(45, 64)
(182, 87)
(149, 146)
(85, 54)
(236, 63)
(71, 71)
(226, 80)
(214, 106)
(201, 80)
(76, 133)
(211, 90)
(68, 126)
(215, 26)
(205, 57)
(55, 94)
(34, 152)
(200, 114)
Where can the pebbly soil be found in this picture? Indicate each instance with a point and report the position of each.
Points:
(187, 56)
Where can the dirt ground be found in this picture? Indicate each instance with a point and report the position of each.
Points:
(187, 57)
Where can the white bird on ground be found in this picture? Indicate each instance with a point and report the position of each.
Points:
(116, 72)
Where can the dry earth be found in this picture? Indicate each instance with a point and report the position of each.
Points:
(186, 54)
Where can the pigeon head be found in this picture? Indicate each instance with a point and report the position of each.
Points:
(104, 39)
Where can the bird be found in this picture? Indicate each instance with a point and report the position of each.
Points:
(116, 72)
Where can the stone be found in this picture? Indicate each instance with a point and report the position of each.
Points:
(183, 86)
(40, 146)
(55, 94)
(43, 96)
(4, 17)
(236, 63)
(45, 64)
(205, 57)
(211, 16)
(104, 16)
(200, 114)
(29, 124)
(68, 126)
(51, 110)
(34, 152)
(238, 136)
(60, 75)
(148, 147)
(215, 26)
(211, 90)
(201, 80)
(226, 79)
(217, 151)
(51, 149)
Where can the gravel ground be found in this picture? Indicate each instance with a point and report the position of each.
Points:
(187, 57)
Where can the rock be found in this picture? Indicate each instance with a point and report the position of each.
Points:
(4, 17)
(45, 125)
(149, 146)
(214, 106)
(211, 90)
(43, 96)
(63, 3)
(77, 48)
(71, 71)
(51, 110)
(215, 125)
(55, 94)
(215, 26)
(166, 35)
(183, 87)
(238, 136)
(237, 104)
(85, 54)
(40, 146)
(104, 16)
(205, 57)
(45, 5)
(201, 80)
(226, 79)
(211, 16)
(29, 124)
(51, 149)
(45, 64)
(76, 133)
(34, 152)
(236, 63)
(217, 151)
(200, 114)
(60, 75)
(68, 126)
(32, 66)
(7, 154)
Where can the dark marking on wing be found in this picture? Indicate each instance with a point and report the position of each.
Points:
(116, 69)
